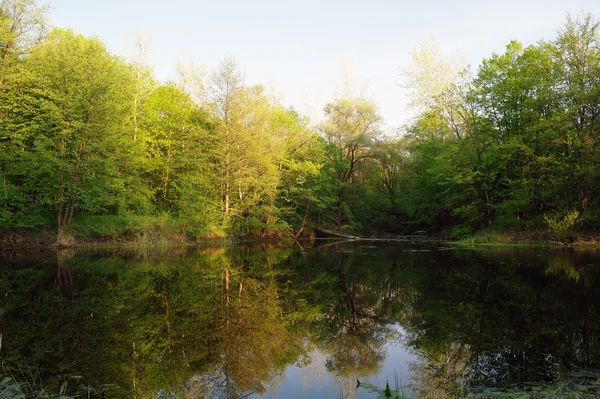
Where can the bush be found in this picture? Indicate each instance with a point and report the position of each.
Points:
(100, 226)
(561, 225)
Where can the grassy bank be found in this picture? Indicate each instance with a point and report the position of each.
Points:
(156, 231)
(125, 230)
(539, 237)
(133, 231)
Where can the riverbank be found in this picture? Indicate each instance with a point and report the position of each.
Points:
(159, 231)
(129, 231)
(163, 237)
(99, 231)
(531, 238)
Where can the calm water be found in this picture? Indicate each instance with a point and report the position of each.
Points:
(288, 322)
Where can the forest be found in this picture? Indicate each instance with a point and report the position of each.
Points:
(94, 147)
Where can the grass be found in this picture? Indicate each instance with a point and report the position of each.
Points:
(399, 392)
(498, 238)
(399, 388)
(10, 388)
(117, 230)
(138, 230)
(539, 237)
(559, 390)
(163, 230)
(106, 231)
(28, 384)
(109, 231)
(580, 384)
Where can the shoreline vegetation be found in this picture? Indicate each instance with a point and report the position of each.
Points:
(94, 150)
(159, 234)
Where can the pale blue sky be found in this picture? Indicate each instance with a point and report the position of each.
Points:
(303, 48)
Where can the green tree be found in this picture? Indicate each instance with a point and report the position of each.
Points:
(578, 63)
(438, 84)
(303, 198)
(73, 105)
(350, 129)
(250, 151)
(386, 183)
(22, 25)
(226, 84)
(174, 138)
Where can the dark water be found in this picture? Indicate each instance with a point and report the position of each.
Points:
(289, 322)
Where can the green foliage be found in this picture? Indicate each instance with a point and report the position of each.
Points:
(562, 224)
(524, 142)
(73, 101)
(388, 391)
(351, 128)
(84, 134)
(10, 389)
(105, 226)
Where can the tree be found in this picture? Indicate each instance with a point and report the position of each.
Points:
(578, 62)
(303, 198)
(227, 83)
(389, 180)
(350, 128)
(439, 84)
(250, 151)
(22, 25)
(514, 95)
(178, 143)
(144, 81)
(192, 79)
(74, 103)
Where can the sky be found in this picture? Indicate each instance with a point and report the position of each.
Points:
(302, 51)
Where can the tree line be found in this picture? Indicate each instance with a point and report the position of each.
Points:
(517, 143)
(92, 144)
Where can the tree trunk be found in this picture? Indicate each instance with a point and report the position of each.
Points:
(335, 233)
(227, 184)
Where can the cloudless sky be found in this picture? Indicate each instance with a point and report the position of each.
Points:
(303, 49)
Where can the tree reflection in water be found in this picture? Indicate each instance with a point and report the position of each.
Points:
(228, 322)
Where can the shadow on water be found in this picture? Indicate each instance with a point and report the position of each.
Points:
(270, 321)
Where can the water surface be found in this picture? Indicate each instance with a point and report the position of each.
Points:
(274, 321)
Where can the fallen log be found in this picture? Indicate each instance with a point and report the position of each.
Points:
(334, 233)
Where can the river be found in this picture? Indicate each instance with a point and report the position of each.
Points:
(322, 320)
